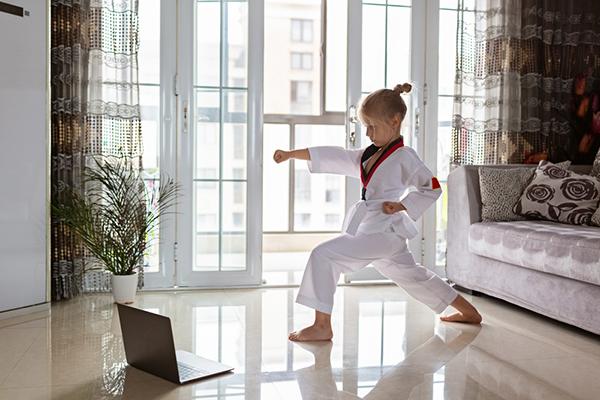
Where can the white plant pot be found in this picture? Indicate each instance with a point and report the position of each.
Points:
(124, 288)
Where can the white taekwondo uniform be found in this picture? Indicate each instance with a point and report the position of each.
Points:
(369, 236)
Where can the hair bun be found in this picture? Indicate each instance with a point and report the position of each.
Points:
(404, 88)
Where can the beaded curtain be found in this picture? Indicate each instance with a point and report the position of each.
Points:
(516, 64)
(95, 113)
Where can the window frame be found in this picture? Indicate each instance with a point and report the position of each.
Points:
(292, 120)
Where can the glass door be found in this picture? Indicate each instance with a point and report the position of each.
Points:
(156, 60)
(385, 48)
(305, 98)
(219, 99)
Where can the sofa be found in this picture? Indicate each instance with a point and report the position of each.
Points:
(549, 268)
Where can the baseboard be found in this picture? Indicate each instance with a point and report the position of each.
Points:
(24, 314)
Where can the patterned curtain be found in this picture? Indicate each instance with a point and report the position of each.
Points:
(95, 113)
(517, 60)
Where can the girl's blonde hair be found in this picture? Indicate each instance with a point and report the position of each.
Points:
(383, 104)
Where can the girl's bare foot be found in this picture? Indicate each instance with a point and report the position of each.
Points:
(460, 317)
(466, 312)
(312, 333)
(319, 330)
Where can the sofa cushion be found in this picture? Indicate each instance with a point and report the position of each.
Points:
(560, 195)
(572, 251)
(501, 189)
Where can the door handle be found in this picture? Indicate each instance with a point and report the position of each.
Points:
(352, 126)
(185, 116)
(417, 121)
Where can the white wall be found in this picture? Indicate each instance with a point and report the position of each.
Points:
(23, 156)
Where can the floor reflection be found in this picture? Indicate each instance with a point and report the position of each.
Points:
(385, 346)
(399, 382)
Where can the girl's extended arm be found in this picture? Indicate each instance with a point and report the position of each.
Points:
(326, 159)
(301, 154)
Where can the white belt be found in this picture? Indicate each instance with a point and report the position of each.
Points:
(354, 217)
(401, 223)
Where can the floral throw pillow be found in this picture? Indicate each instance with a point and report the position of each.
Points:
(559, 195)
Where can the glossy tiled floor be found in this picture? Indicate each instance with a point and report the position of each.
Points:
(386, 346)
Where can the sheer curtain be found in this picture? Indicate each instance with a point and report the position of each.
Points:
(95, 112)
(516, 64)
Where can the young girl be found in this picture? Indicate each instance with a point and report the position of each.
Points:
(377, 228)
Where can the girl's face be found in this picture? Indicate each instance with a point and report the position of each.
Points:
(380, 131)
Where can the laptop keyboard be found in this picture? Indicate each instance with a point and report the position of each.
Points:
(186, 372)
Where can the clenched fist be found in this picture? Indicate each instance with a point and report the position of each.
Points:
(391, 207)
(280, 156)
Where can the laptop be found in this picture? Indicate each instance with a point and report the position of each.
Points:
(149, 346)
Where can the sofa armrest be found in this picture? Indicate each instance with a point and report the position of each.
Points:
(464, 209)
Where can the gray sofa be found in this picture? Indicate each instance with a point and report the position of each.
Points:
(552, 269)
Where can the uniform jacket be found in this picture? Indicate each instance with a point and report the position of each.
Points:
(398, 175)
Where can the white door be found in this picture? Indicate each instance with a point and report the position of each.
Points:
(219, 99)
(385, 48)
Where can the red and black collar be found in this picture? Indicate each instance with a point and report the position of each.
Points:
(369, 151)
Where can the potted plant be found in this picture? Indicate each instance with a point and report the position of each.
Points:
(115, 218)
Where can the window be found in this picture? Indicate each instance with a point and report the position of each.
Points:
(301, 96)
(209, 135)
(302, 61)
(332, 195)
(149, 81)
(302, 30)
(239, 61)
(238, 173)
(332, 220)
(302, 220)
(238, 219)
(204, 220)
(301, 91)
(303, 191)
(238, 194)
(239, 149)
(292, 52)
(332, 191)
(315, 194)
(276, 182)
(207, 171)
(207, 207)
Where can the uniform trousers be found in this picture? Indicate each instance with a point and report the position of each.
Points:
(387, 252)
